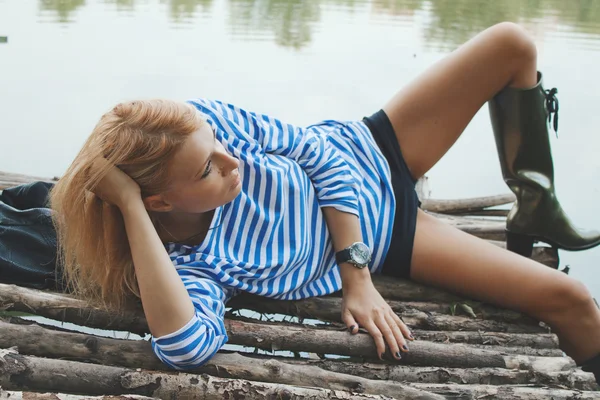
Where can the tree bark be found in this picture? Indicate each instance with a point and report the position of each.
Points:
(328, 308)
(467, 205)
(8, 179)
(10, 395)
(65, 308)
(574, 378)
(330, 374)
(478, 392)
(44, 342)
(535, 340)
(18, 372)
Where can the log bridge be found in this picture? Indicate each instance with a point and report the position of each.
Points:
(464, 349)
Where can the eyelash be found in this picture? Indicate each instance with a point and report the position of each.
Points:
(208, 169)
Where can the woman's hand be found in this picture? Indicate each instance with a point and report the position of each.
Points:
(116, 187)
(363, 304)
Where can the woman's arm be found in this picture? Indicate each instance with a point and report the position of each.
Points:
(184, 309)
(344, 229)
(166, 302)
(362, 303)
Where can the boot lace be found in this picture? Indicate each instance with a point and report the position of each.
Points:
(552, 107)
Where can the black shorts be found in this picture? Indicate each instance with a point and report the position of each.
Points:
(399, 255)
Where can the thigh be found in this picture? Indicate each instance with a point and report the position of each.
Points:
(448, 258)
(430, 113)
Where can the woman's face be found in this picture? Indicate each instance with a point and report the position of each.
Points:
(203, 174)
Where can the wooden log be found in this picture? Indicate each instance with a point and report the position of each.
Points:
(8, 179)
(270, 337)
(415, 319)
(489, 213)
(330, 374)
(328, 308)
(572, 379)
(65, 308)
(467, 205)
(12, 395)
(423, 353)
(537, 340)
(478, 392)
(18, 372)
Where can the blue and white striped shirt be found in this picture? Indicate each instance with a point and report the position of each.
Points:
(272, 239)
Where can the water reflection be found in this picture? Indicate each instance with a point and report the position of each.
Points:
(186, 10)
(291, 23)
(455, 21)
(62, 8)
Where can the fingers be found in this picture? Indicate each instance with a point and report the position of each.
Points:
(378, 336)
(384, 328)
(350, 322)
(403, 328)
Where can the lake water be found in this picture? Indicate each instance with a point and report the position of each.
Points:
(64, 63)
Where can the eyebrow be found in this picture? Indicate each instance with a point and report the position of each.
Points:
(202, 169)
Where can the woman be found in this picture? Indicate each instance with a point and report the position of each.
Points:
(242, 201)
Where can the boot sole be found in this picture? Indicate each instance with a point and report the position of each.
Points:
(523, 244)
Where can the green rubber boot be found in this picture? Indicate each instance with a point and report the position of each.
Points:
(520, 123)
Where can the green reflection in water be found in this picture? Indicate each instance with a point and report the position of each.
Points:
(122, 4)
(186, 10)
(452, 22)
(397, 7)
(290, 21)
(455, 21)
(63, 8)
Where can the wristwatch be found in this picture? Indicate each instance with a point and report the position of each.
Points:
(357, 254)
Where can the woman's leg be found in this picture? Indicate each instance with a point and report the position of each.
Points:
(428, 116)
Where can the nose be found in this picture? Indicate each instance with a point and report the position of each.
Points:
(228, 163)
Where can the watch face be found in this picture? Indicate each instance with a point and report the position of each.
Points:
(360, 253)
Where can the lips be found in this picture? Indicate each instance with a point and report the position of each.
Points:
(236, 181)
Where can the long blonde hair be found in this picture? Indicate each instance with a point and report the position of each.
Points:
(141, 138)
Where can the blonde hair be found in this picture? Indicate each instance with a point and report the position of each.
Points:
(141, 138)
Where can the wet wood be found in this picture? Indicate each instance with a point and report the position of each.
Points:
(19, 372)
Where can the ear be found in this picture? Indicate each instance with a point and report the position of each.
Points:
(157, 203)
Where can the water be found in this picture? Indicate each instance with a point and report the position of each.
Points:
(66, 62)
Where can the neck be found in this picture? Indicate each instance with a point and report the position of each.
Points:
(178, 227)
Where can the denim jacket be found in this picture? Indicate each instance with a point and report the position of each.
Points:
(28, 244)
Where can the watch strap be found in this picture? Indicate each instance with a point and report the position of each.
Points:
(343, 256)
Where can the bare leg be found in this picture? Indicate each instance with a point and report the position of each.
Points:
(428, 116)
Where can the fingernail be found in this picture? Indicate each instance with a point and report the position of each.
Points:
(381, 356)
(405, 347)
(351, 329)
(398, 355)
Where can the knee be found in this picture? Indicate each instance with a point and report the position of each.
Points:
(514, 41)
(569, 298)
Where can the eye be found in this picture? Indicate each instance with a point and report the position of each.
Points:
(208, 169)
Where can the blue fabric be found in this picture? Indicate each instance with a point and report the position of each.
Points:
(27, 238)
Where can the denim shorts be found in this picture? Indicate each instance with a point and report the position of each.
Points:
(398, 258)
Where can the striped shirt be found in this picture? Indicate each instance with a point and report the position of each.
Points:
(272, 239)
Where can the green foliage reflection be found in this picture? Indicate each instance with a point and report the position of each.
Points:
(63, 8)
(290, 21)
(450, 22)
